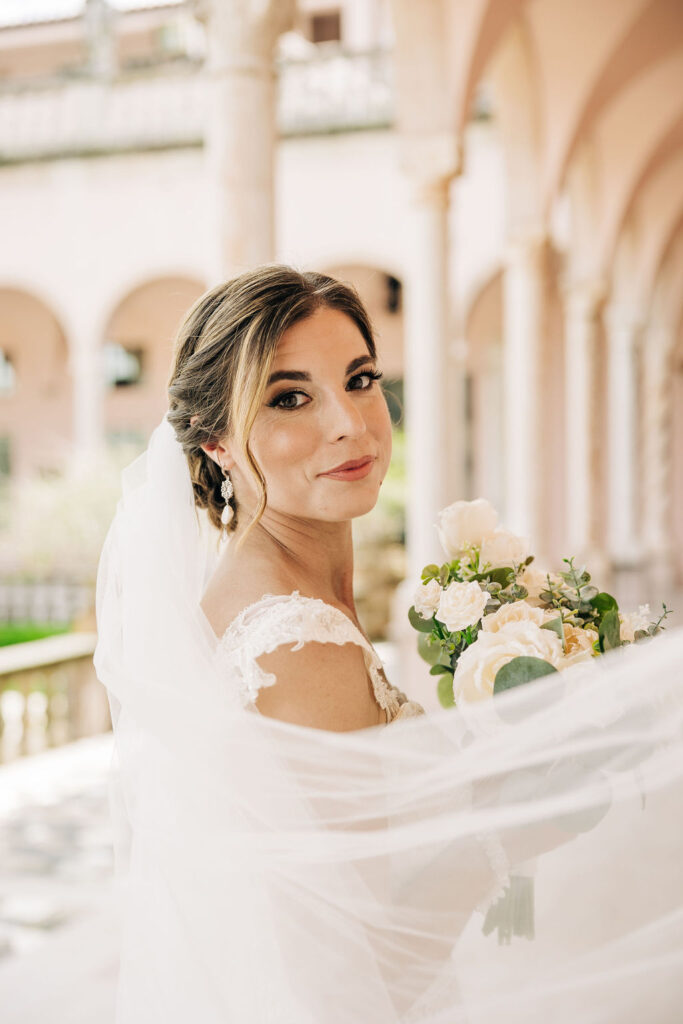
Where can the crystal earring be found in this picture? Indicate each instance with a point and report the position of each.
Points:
(227, 491)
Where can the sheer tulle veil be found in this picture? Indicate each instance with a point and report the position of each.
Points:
(271, 872)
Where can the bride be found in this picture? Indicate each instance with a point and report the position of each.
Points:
(306, 395)
(297, 841)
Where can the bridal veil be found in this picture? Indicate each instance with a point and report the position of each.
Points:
(276, 873)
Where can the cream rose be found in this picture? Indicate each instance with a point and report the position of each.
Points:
(503, 548)
(536, 580)
(632, 621)
(517, 611)
(579, 644)
(427, 598)
(461, 605)
(478, 665)
(465, 524)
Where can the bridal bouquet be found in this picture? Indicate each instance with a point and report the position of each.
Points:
(488, 621)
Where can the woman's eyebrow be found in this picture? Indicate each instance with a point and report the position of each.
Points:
(303, 375)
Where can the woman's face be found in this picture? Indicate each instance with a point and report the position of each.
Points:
(321, 408)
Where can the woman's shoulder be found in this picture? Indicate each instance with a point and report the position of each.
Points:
(234, 595)
(239, 593)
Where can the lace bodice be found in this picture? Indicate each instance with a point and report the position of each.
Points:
(277, 619)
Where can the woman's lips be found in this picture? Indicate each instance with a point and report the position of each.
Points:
(356, 472)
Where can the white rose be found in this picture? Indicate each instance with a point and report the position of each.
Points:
(503, 548)
(517, 611)
(461, 605)
(536, 580)
(579, 643)
(465, 524)
(478, 665)
(632, 621)
(427, 598)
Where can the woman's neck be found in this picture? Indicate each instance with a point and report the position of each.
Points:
(307, 554)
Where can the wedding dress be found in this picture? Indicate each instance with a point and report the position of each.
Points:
(271, 872)
(277, 619)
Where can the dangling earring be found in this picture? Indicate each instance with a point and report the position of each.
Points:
(227, 491)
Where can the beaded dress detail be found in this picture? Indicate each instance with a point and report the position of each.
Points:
(277, 619)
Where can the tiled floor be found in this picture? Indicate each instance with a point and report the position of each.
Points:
(58, 907)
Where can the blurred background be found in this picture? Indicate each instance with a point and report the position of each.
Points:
(502, 180)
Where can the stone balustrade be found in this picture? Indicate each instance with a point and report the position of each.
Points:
(166, 106)
(49, 694)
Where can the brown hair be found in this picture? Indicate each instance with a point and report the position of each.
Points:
(222, 358)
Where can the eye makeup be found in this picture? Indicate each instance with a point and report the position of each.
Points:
(276, 401)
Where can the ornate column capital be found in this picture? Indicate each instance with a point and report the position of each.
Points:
(241, 34)
(430, 161)
(583, 298)
(623, 322)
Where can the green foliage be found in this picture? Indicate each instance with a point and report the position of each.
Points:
(603, 602)
(439, 670)
(520, 670)
(21, 632)
(417, 621)
(445, 691)
(556, 626)
(609, 630)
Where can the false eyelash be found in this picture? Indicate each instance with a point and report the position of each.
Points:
(372, 374)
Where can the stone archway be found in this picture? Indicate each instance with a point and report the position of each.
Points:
(36, 399)
(138, 341)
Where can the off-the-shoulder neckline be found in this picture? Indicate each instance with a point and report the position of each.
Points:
(303, 597)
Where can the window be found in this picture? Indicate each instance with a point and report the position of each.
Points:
(393, 294)
(5, 462)
(325, 27)
(122, 366)
(7, 375)
(126, 438)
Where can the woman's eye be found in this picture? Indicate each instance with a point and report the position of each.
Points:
(282, 400)
(287, 400)
(372, 375)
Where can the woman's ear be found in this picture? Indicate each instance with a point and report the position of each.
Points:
(220, 454)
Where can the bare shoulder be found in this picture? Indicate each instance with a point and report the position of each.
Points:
(320, 685)
(234, 587)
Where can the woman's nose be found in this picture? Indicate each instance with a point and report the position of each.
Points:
(346, 418)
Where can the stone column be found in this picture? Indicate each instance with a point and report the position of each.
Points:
(623, 334)
(240, 131)
(582, 303)
(432, 410)
(658, 372)
(100, 27)
(523, 313)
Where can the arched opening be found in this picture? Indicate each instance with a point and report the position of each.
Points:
(137, 356)
(35, 387)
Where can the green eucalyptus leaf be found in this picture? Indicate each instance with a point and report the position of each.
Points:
(417, 622)
(603, 602)
(556, 626)
(429, 649)
(438, 670)
(521, 670)
(430, 571)
(445, 691)
(609, 630)
(502, 575)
